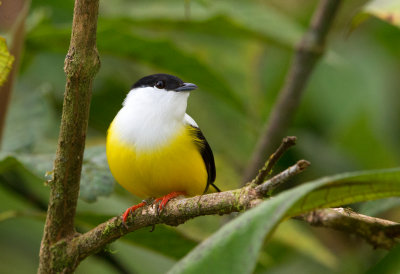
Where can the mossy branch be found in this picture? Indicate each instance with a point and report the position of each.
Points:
(175, 213)
(380, 233)
(62, 248)
(81, 65)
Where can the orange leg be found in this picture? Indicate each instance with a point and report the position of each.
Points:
(163, 202)
(165, 199)
(131, 210)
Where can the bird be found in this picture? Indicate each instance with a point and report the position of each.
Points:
(155, 150)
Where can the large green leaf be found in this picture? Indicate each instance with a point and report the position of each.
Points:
(17, 178)
(235, 246)
(96, 179)
(349, 188)
(31, 123)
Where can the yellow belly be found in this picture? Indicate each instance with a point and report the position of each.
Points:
(176, 166)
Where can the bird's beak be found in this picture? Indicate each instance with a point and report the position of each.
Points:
(186, 87)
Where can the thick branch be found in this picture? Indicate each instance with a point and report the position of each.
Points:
(175, 213)
(308, 52)
(379, 233)
(81, 65)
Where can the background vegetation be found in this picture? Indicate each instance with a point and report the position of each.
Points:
(238, 54)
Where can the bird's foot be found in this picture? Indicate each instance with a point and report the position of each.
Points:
(132, 209)
(165, 199)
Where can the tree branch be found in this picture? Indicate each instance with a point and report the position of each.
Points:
(308, 52)
(81, 65)
(287, 143)
(62, 248)
(378, 232)
(176, 212)
(282, 177)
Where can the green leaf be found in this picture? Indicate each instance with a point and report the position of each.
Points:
(16, 178)
(350, 187)
(31, 122)
(96, 179)
(163, 240)
(234, 248)
(6, 60)
(386, 10)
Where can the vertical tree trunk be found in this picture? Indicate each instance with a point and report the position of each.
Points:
(81, 65)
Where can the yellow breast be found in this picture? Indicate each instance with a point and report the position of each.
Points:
(177, 165)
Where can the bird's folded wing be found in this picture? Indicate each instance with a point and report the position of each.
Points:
(205, 150)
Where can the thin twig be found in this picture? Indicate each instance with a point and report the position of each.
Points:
(282, 177)
(308, 52)
(378, 232)
(287, 143)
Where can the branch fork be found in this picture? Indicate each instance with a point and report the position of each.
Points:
(178, 211)
(62, 248)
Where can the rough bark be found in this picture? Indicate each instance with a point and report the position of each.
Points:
(378, 232)
(81, 65)
(62, 248)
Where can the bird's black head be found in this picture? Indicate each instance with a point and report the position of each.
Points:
(164, 81)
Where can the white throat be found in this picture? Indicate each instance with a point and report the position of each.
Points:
(150, 117)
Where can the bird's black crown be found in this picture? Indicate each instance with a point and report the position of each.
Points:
(160, 80)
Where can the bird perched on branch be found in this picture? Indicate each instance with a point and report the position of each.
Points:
(155, 149)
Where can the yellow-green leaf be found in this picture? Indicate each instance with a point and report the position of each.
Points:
(6, 60)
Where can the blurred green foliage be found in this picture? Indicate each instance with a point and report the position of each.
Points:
(238, 54)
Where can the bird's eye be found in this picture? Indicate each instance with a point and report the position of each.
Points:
(160, 84)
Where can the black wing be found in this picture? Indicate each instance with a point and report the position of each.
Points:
(207, 155)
